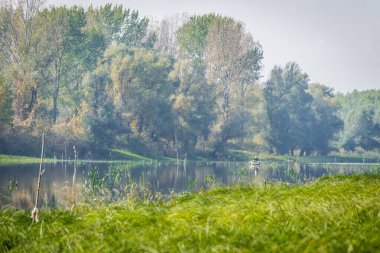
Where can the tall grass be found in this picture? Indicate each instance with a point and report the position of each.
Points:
(334, 214)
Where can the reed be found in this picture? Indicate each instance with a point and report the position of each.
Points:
(35, 211)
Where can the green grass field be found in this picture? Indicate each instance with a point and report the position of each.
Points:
(15, 159)
(335, 214)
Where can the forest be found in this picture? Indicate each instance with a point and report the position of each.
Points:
(102, 78)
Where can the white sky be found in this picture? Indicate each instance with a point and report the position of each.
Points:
(337, 42)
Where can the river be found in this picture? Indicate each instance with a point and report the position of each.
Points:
(60, 186)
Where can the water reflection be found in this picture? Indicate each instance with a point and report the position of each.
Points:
(18, 182)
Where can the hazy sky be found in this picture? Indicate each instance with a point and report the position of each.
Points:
(337, 42)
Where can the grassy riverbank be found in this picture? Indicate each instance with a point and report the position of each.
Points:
(111, 155)
(336, 214)
(116, 155)
(16, 159)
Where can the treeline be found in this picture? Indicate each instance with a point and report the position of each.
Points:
(101, 78)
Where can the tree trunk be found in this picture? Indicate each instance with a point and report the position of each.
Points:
(56, 88)
(33, 100)
(55, 104)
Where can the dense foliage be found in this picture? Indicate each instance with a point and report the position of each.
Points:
(104, 77)
(361, 115)
(336, 214)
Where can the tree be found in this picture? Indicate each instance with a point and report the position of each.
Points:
(142, 94)
(361, 116)
(162, 34)
(325, 123)
(118, 24)
(17, 44)
(194, 108)
(100, 115)
(233, 63)
(288, 108)
(192, 35)
(64, 62)
(233, 60)
(5, 105)
(17, 28)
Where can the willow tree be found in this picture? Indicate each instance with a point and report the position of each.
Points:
(17, 44)
(5, 108)
(233, 61)
(360, 112)
(191, 37)
(288, 107)
(64, 39)
(142, 95)
(118, 24)
(326, 123)
(193, 108)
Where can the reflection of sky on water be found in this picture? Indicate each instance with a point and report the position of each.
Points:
(163, 177)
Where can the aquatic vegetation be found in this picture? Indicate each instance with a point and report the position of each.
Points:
(241, 173)
(292, 175)
(209, 180)
(12, 184)
(375, 169)
(327, 167)
(191, 183)
(117, 185)
(93, 182)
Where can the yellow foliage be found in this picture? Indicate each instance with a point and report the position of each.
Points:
(73, 128)
(258, 140)
(134, 125)
(179, 102)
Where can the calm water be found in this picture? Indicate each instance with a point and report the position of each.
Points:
(160, 177)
